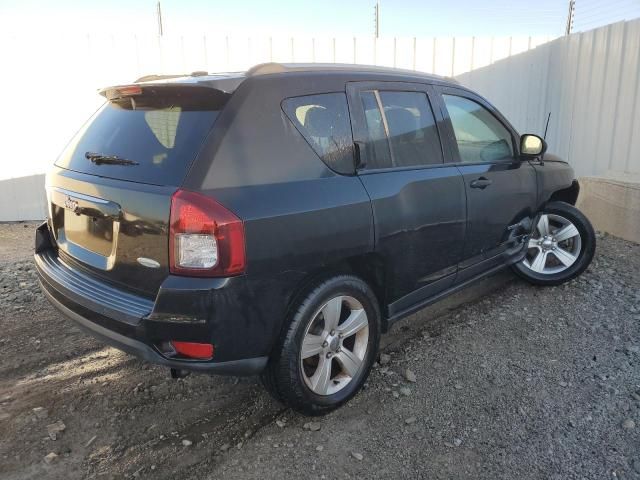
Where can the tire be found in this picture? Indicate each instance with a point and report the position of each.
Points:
(291, 379)
(556, 268)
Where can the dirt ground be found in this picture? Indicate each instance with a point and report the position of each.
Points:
(512, 381)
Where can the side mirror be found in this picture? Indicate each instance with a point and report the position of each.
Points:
(532, 145)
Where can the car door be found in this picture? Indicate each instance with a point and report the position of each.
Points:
(501, 188)
(418, 202)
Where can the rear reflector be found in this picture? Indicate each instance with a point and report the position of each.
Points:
(199, 351)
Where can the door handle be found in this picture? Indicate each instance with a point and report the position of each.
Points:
(481, 183)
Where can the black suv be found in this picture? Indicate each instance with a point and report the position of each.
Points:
(277, 221)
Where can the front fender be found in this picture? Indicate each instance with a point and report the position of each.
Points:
(555, 181)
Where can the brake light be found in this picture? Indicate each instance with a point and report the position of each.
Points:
(205, 239)
(129, 90)
(113, 93)
(200, 351)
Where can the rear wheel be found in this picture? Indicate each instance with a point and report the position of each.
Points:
(328, 348)
(560, 248)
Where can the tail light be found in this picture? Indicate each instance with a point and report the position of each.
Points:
(205, 239)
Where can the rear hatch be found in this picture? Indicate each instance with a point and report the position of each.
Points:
(110, 193)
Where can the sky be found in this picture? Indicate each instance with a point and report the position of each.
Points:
(323, 17)
(295, 17)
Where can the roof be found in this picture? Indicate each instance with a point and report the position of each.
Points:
(230, 81)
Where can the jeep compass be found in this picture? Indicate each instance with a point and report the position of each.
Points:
(277, 221)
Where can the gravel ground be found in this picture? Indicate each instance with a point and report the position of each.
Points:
(514, 382)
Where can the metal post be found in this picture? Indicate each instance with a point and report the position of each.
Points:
(159, 13)
(377, 20)
(570, 17)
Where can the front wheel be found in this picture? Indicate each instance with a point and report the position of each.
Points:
(327, 351)
(560, 248)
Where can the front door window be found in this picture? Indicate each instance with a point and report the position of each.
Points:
(480, 136)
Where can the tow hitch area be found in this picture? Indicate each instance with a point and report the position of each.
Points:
(178, 373)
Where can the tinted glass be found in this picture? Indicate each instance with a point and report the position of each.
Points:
(324, 122)
(377, 145)
(412, 128)
(480, 136)
(162, 133)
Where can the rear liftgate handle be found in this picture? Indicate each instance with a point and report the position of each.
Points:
(481, 183)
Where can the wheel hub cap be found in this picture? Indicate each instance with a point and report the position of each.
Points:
(335, 345)
(547, 244)
(554, 246)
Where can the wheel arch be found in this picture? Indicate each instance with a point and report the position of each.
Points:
(564, 209)
(369, 267)
(568, 195)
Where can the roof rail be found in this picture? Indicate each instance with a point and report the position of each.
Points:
(265, 68)
(273, 67)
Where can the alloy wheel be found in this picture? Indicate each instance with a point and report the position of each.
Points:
(554, 247)
(334, 345)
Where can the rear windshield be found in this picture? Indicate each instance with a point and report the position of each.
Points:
(152, 137)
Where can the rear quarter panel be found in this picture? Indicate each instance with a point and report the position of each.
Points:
(299, 216)
(298, 213)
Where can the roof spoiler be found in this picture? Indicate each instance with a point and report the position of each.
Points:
(117, 92)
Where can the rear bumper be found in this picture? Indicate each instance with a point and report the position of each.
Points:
(137, 325)
(249, 366)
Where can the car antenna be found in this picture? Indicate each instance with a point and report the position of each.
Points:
(544, 137)
(546, 127)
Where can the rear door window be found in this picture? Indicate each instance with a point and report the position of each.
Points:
(412, 128)
(377, 144)
(323, 120)
(159, 133)
(401, 129)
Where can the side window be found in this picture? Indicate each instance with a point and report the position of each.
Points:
(412, 128)
(377, 145)
(323, 120)
(479, 135)
(404, 133)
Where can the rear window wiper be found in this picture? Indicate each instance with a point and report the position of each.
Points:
(100, 159)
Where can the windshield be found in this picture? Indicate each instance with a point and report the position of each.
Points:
(157, 134)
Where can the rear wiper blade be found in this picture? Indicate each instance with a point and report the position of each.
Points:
(100, 159)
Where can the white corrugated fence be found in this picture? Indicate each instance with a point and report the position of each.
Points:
(589, 82)
(49, 85)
